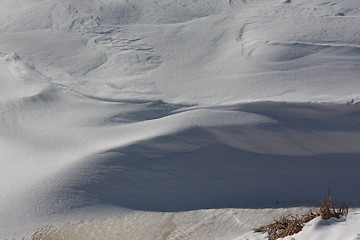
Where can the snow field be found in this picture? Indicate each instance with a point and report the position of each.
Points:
(172, 106)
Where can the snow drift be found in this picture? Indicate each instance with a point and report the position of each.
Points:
(175, 105)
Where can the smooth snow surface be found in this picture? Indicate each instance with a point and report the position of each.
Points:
(170, 106)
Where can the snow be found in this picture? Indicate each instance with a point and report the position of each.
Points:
(158, 109)
(199, 224)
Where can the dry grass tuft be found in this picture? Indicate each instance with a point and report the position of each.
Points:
(290, 225)
(287, 225)
(327, 208)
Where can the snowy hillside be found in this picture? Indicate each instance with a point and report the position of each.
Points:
(109, 108)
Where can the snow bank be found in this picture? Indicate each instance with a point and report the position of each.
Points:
(200, 224)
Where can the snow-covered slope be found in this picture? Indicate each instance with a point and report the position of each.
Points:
(164, 105)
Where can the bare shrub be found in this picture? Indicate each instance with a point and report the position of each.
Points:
(290, 224)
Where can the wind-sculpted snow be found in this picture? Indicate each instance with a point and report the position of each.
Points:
(252, 51)
(174, 106)
(78, 15)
